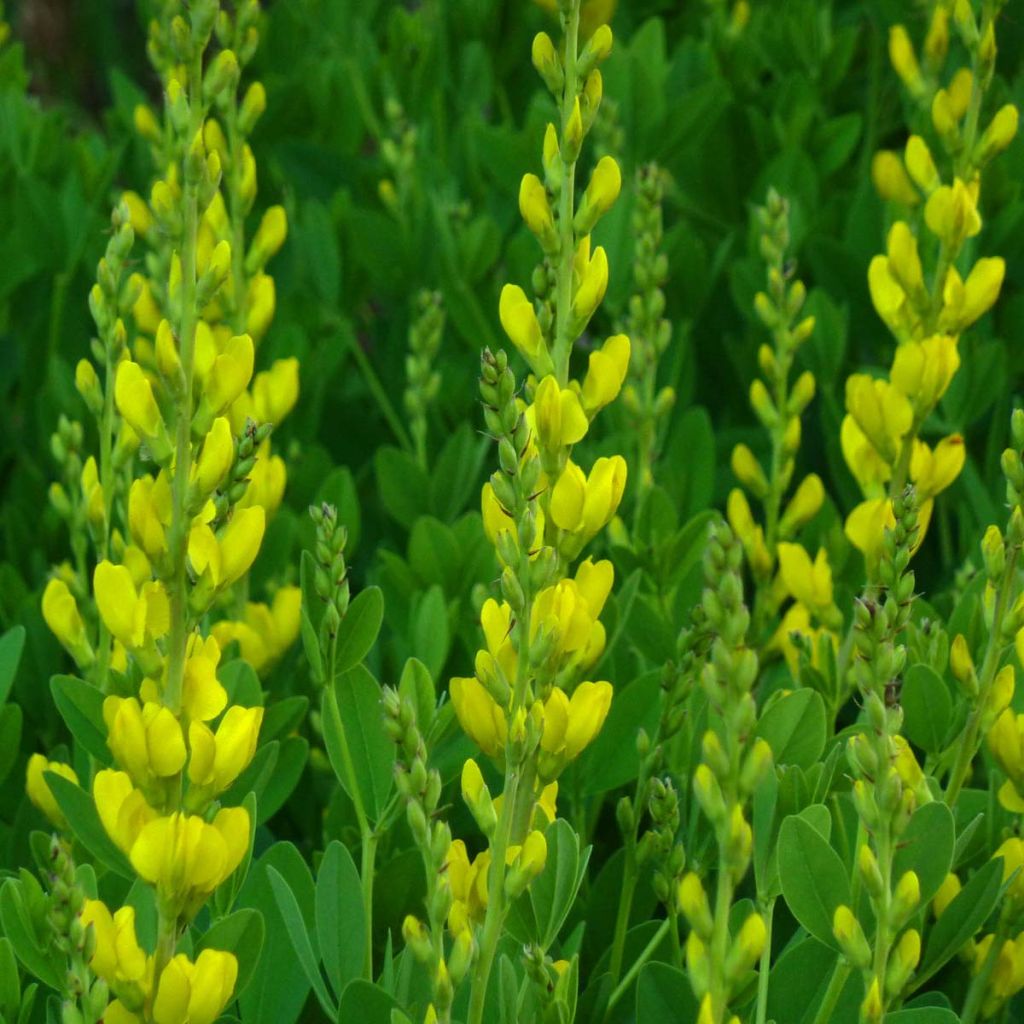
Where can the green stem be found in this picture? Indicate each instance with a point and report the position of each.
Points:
(183, 439)
(566, 201)
(717, 986)
(629, 880)
(369, 857)
(494, 918)
(634, 970)
(767, 912)
(835, 989)
(969, 738)
(979, 983)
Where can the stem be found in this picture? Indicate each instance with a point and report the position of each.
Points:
(979, 983)
(634, 970)
(717, 987)
(629, 880)
(767, 912)
(566, 201)
(968, 745)
(840, 973)
(495, 916)
(183, 440)
(366, 876)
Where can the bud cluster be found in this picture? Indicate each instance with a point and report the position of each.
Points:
(423, 381)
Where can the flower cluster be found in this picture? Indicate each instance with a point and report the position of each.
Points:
(781, 567)
(172, 545)
(920, 286)
(888, 782)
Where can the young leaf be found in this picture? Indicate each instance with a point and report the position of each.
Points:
(358, 630)
(340, 918)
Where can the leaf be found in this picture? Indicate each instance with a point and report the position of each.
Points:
(296, 928)
(926, 847)
(283, 717)
(240, 933)
(359, 628)
(923, 1015)
(81, 707)
(79, 808)
(287, 770)
(10, 737)
(962, 918)
(402, 484)
(359, 750)
(794, 727)
(927, 708)
(12, 643)
(539, 914)
(18, 928)
(430, 636)
(814, 881)
(361, 1001)
(454, 477)
(663, 993)
(417, 687)
(340, 916)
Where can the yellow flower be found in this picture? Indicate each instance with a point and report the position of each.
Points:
(135, 402)
(267, 241)
(583, 505)
(266, 632)
(217, 759)
(149, 514)
(195, 992)
(60, 611)
(590, 279)
(519, 321)
(920, 164)
(947, 892)
(810, 583)
(38, 789)
(203, 697)
(534, 206)
(275, 391)
(230, 374)
(602, 191)
(215, 458)
(227, 558)
(803, 506)
(904, 60)
(186, 858)
(951, 213)
(891, 180)
(572, 723)
(748, 471)
(134, 617)
(1006, 741)
(482, 720)
(1012, 852)
(117, 957)
(965, 302)
(122, 808)
(882, 412)
(146, 740)
(933, 470)
(606, 372)
(922, 370)
(866, 525)
(558, 416)
(261, 305)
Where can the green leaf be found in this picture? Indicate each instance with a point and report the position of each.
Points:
(794, 727)
(612, 759)
(814, 881)
(79, 808)
(340, 916)
(81, 707)
(240, 933)
(10, 983)
(10, 738)
(289, 764)
(923, 1015)
(927, 708)
(359, 750)
(417, 687)
(283, 717)
(296, 928)
(359, 628)
(962, 918)
(434, 554)
(18, 928)
(11, 645)
(430, 635)
(402, 484)
(926, 847)
(663, 993)
(453, 479)
(366, 1003)
(539, 914)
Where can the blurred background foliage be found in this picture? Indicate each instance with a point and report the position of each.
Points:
(396, 135)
